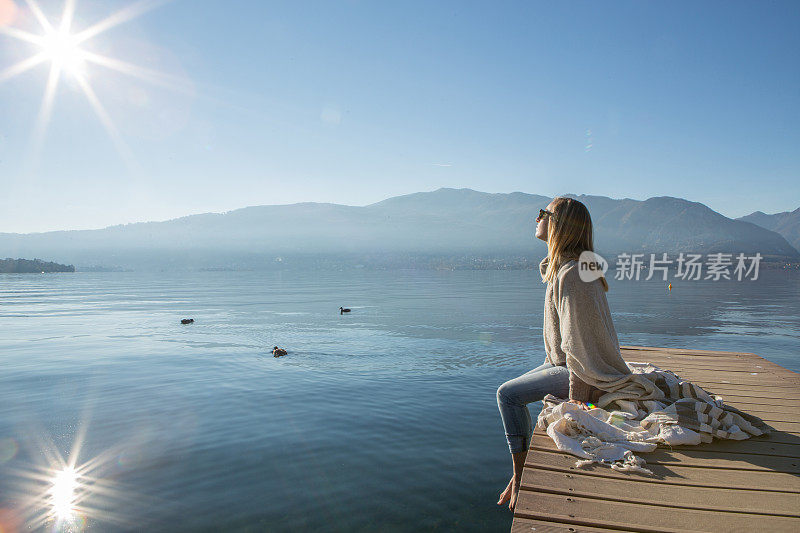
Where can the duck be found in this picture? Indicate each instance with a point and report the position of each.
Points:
(342, 310)
(187, 321)
(277, 352)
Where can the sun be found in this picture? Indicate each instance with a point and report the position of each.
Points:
(61, 48)
(56, 493)
(63, 52)
(62, 493)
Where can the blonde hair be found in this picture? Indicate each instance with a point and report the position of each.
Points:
(569, 232)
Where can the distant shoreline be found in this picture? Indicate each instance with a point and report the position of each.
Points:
(341, 263)
(32, 266)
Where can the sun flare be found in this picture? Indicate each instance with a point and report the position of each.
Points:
(61, 48)
(63, 52)
(62, 493)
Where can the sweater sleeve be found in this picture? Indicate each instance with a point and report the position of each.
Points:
(584, 334)
(579, 390)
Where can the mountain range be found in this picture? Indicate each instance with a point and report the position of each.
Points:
(786, 223)
(443, 223)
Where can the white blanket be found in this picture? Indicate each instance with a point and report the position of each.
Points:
(687, 415)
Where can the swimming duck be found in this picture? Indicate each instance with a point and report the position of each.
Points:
(343, 310)
(187, 321)
(277, 352)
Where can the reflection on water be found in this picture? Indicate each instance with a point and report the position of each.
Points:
(114, 416)
(63, 494)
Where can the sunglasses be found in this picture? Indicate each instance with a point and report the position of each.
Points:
(545, 213)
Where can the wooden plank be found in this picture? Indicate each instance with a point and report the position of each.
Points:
(689, 354)
(673, 474)
(760, 385)
(678, 363)
(643, 517)
(708, 459)
(752, 375)
(737, 367)
(679, 366)
(526, 525)
(755, 397)
(769, 417)
(738, 371)
(753, 445)
(731, 398)
(684, 351)
(777, 437)
(749, 377)
(787, 390)
(777, 392)
(651, 357)
(761, 411)
(749, 446)
(786, 398)
(760, 402)
(780, 437)
(788, 427)
(679, 360)
(685, 357)
(634, 490)
(749, 380)
(682, 362)
(742, 379)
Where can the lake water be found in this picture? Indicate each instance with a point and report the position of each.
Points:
(383, 419)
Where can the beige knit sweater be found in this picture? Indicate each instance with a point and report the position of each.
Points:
(579, 331)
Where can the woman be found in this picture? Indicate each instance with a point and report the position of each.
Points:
(583, 359)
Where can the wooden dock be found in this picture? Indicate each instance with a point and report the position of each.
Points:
(750, 485)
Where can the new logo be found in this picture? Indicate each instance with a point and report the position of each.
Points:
(591, 266)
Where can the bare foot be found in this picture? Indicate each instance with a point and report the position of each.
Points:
(514, 494)
(509, 495)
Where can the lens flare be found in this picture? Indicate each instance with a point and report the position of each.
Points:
(62, 493)
(60, 47)
(63, 51)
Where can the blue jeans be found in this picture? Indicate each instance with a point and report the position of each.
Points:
(514, 395)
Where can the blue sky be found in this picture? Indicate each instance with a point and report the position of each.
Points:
(355, 101)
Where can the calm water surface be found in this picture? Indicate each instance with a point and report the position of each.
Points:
(384, 419)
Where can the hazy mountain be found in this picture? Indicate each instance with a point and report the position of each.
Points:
(786, 223)
(445, 222)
